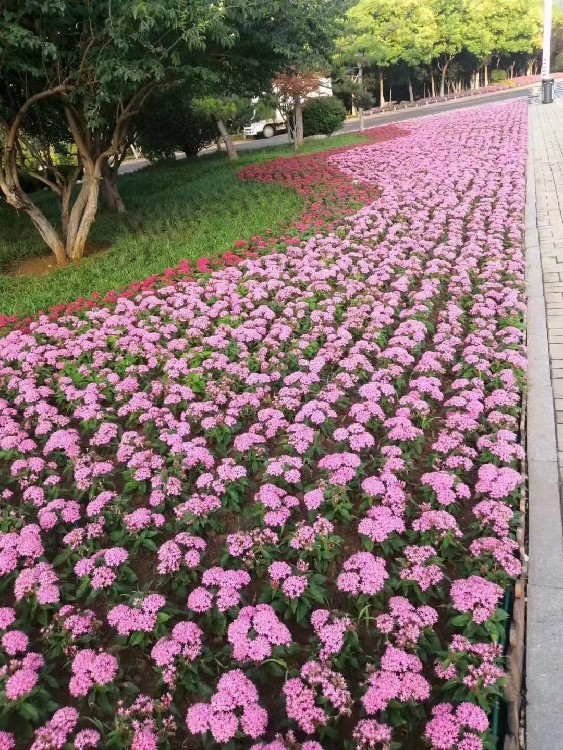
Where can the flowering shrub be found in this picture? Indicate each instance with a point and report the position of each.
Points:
(276, 508)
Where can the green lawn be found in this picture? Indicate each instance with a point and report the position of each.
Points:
(188, 209)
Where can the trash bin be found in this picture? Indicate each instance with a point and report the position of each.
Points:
(547, 90)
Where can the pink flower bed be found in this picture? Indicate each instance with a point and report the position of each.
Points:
(275, 510)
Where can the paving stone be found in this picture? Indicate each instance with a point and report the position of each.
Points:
(544, 657)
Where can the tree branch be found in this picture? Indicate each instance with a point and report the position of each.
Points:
(24, 109)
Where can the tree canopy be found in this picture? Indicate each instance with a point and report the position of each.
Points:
(427, 38)
(92, 65)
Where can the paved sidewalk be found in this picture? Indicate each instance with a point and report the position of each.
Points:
(544, 262)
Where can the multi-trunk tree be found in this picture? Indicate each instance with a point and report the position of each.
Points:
(92, 63)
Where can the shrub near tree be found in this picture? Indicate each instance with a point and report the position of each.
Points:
(169, 123)
(323, 116)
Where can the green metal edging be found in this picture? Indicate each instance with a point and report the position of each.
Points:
(499, 711)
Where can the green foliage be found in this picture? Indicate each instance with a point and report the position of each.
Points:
(106, 50)
(169, 123)
(558, 64)
(323, 115)
(352, 92)
(430, 35)
(235, 111)
(498, 75)
(265, 109)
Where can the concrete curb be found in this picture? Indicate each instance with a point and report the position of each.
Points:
(544, 655)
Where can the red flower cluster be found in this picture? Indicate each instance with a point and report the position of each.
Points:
(329, 196)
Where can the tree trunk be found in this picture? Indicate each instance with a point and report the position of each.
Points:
(443, 80)
(485, 75)
(66, 198)
(298, 114)
(411, 93)
(381, 89)
(82, 216)
(110, 191)
(530, 67)
(16, 197)
(231, 150)
(48, 233)
(76, 251)
(361, 109)
(433, 90)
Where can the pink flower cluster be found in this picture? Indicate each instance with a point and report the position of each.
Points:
(184, 549)
(233, 708)
(140, 617)
(399, 679)
(293, 584)
(223, 586)
(256, 632)
(476, 595)
(55, 734)
(363, 573)
(331, 631)
(101, 566)
(405, 623)
(301, 694)
(89, 669)
(459, 728)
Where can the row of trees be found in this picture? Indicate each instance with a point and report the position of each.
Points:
(84, 79)
(438, 43)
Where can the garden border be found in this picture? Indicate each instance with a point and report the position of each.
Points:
(544, 634)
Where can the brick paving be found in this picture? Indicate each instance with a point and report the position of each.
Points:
(544, 267)
(546, 138)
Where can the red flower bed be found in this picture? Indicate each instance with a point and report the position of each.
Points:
(329, 195)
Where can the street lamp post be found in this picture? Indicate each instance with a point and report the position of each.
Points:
(547, 80)
(547, 16)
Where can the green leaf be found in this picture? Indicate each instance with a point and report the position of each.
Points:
(28, 711)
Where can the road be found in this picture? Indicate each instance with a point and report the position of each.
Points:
(370, 120)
